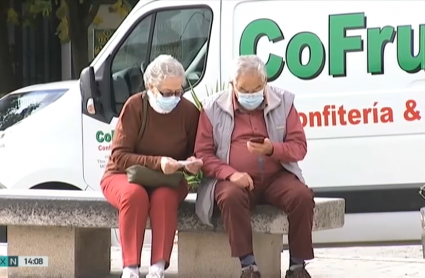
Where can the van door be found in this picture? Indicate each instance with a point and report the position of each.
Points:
(188, 31)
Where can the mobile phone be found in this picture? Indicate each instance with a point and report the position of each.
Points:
(259, 140)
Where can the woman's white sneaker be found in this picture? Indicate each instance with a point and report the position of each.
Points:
(128, 272)
(156, 274)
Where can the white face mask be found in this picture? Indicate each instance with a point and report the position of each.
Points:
(251, 101)
(162, 105)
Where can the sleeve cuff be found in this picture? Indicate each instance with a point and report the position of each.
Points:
(225, 172)
(276, 150)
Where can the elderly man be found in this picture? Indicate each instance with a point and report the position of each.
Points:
(250, 139)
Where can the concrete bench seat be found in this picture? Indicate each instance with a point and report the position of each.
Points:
(72, 228)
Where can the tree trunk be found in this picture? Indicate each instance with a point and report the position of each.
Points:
(80, 52)
(7, 74)
(80, 16)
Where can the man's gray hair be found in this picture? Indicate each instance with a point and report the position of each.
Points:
(162, 67)
(248, 64)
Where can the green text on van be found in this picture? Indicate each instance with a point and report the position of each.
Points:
(104, 137)
(339, 45)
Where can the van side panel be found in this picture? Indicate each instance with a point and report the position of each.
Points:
(356, 68)
(359, 125)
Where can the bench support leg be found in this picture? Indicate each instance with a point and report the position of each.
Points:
(422, 211)
(72, 252)
(209, 252)
(423, 244)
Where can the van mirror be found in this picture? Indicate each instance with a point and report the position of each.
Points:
(88, 88)
(96, 92)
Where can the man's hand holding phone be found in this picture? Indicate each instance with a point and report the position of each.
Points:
(260, 146)
(243, 180)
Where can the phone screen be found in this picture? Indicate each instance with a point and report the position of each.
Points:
(257, 140)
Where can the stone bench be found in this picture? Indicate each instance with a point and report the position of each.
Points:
(72, 228)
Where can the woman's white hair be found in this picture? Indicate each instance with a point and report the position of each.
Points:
(246, 65)
(162, 67)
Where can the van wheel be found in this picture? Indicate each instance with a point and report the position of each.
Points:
(55, 186)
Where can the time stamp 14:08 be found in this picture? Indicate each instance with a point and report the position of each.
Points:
(24, 261)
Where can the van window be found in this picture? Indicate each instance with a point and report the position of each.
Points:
(16, 107)
(182, 33)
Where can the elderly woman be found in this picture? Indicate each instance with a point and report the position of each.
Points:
(169, 136)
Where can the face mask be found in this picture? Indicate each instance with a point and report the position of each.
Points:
(251, 101)
(163, 105)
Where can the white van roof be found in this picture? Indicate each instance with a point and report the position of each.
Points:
(47, 86)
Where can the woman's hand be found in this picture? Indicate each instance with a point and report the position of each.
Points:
(195, 167)
(169, 166)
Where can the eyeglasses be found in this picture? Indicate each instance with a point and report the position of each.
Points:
(177, 93)
(245, 92)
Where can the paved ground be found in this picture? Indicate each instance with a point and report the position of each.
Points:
(352, 262)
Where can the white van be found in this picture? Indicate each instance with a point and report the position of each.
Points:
(356, 67)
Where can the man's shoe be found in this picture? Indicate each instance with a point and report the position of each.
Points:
(250, 272)
(297, 273)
